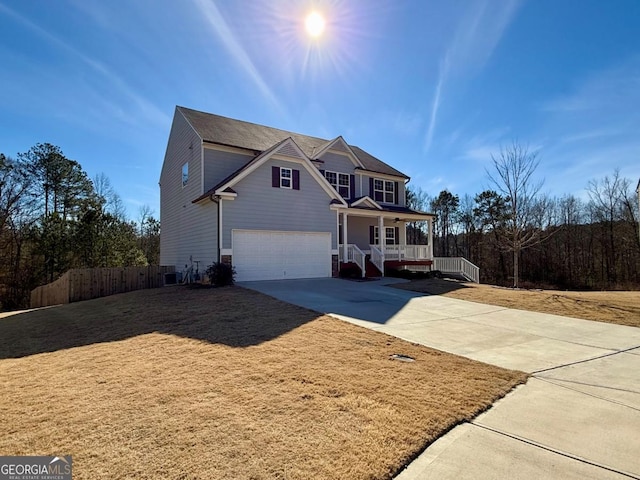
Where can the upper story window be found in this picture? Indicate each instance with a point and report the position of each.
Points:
(285, 178)
(384, 191)
(340, 181)
(185, 174)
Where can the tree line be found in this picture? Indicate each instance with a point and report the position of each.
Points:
(53, 217)
(519, 236)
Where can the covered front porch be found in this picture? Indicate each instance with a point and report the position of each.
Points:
(375, 240)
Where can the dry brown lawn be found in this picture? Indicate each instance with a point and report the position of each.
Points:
(225, 383)
(622, 308)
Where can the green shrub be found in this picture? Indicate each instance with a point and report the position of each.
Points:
(221, 274)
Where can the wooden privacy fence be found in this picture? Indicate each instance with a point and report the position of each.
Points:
(87, 283)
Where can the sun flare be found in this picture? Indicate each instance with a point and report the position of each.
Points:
(314, 23)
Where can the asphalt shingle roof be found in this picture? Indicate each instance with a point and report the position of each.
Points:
(237, 133)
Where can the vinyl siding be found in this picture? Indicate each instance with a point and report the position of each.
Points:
(259, 206)
(401, 190)
(188, 230)
(340, 163)
(337, 163)
(218, 165)
(358, 230)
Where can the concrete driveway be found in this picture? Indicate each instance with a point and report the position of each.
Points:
(577, 417)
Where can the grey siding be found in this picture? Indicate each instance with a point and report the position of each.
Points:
(401, 190)
(358, 230)
(259, 206)
(218, 165)
(341, 163)
(337, 163)
(188, 230)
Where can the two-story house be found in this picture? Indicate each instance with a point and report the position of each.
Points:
(277, 204)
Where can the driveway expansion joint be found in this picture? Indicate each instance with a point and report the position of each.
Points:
(555, 450)
(599, 397)
(610, 354)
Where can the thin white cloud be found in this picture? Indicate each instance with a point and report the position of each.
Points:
(435, 105)
(479, 33)
(148, 109)
(476, 38)
(221, 28)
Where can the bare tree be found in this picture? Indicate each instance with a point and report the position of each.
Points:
(526, 217)
(613, 208)
(109, 198)
(445, 206)
(417, 199)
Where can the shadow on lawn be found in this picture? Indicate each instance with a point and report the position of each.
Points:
(232, 316)
(433, 286)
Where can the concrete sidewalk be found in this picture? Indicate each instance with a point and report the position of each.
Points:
(577, 417)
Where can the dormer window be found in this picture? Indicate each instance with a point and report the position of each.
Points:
(340, 181)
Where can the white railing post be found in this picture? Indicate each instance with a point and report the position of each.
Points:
(345, 254)
(457, 265)
(357, 256)
(377, 258)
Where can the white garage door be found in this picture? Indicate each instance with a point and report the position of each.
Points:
(268, 255)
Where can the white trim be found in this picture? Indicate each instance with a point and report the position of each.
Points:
(201, 169)
(386, 176)
(345, 241)
(338, 231)
(335, 251)
(290, 177)
(226, 251)
(354, 158)
(389, 215)
(228, 149)
(227, 195)
(221, 229)
(338, 184)
(305, 161)
(368, 200)
(384, 190)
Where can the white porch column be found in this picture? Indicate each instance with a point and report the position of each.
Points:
(382, 235)
(402, 241)
(220, 243)
(345, 255)
(430, 237)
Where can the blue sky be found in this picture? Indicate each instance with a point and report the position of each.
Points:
(433, 87)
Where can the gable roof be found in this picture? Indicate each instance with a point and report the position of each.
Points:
(288, 143)
(259, 138)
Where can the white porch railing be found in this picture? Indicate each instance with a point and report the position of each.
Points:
(407, 252)
(357, 256)
(377, 258)
(458, 265)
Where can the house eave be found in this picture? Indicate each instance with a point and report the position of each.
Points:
(386, 176)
